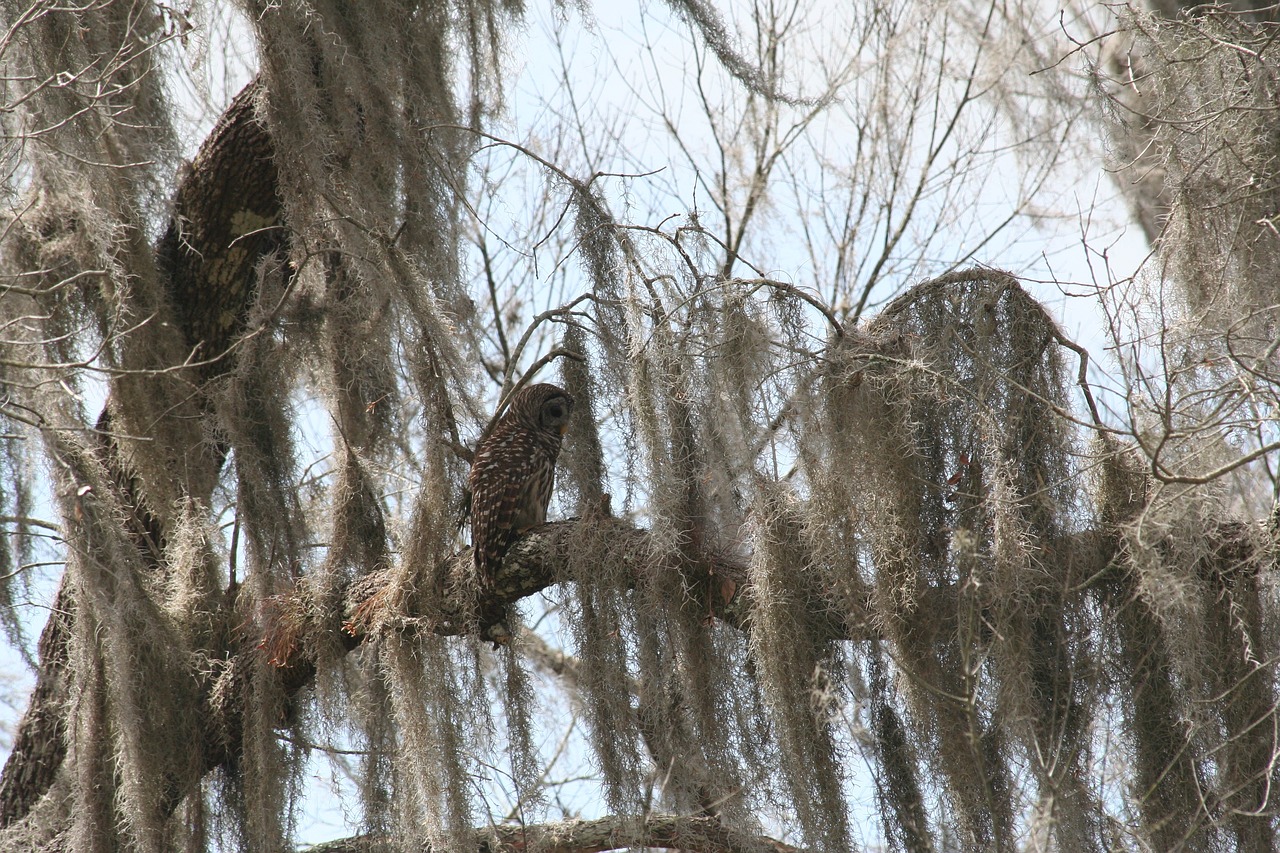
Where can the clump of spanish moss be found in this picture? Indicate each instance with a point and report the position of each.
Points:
(365, 403)
(18, 536)
(435, 691)
(1190, 119)
(599, 610)
(1183, 636)
(706, 20)
(128, 661)
(194, 599)
(945, 413)
(368, 696)
(256, 421)
(794, 663)
(602, 251)
(518, 702)
(262, 787)
(1209, 167)
(582, 455)
(694, 703)
(602, 623)
(438, 703)
(902, 806)
(1192, 631)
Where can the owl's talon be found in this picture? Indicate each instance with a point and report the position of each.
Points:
(498, 633)
(491, 623)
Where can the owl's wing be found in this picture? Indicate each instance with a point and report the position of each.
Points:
(497, 481)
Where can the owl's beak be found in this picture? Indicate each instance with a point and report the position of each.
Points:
(564, 427)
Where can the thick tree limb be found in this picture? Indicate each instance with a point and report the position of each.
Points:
(226, 218)
(536, 562)
(666, 832)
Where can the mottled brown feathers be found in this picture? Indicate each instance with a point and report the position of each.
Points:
(513, 472)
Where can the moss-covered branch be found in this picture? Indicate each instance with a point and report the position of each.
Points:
(539, 560)
(226, 218)
(664, 832)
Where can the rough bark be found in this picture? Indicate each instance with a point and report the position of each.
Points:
(40, 745)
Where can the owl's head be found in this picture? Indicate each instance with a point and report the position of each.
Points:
(544, 406)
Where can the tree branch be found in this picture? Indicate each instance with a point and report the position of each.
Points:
(226, 218)
(664, 832)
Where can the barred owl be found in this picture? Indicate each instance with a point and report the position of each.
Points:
(513, 471)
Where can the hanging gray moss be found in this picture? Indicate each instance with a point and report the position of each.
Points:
(804, 501)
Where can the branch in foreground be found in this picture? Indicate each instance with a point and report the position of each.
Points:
(667, 832)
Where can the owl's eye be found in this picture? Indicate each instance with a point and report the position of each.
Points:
(556, 411)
